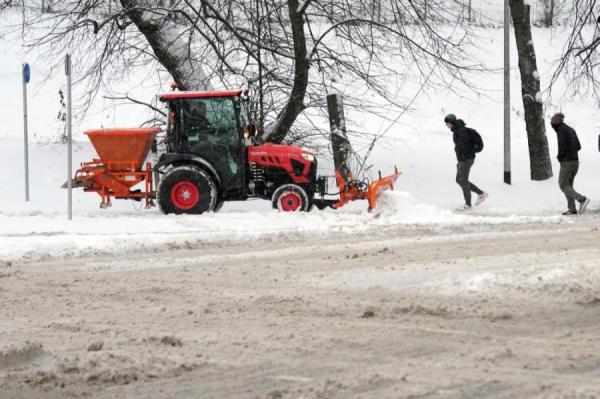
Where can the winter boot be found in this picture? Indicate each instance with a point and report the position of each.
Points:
(569, 213)
(480, 198)
(464, 208)
(583, 205)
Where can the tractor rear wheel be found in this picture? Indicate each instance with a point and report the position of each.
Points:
(291, 198)
(186, 189)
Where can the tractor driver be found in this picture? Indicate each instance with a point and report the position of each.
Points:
(203, 140)
(197, 123)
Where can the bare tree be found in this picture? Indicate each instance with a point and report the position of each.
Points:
(302, 50)
(539, 155)
(163, 34)
(579, 61)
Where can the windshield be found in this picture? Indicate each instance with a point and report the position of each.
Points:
(214, 116)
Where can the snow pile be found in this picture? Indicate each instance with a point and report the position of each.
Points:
(401, 207)
(561, 277)
(396, 207)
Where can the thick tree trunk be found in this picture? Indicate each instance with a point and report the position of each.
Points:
(169, 48)
(339, 139)
(539, 156)
(548, 12)
(276, 132)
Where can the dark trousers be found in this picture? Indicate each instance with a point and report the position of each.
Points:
(463, 168)
(566, 178)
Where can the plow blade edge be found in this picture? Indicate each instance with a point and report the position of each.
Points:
(380, 185)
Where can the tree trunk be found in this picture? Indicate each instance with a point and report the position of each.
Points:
(340, 144)
(539, 156)
(169, 48)
(376, 11)
(276, 132)
(548, 12)
(470, 11)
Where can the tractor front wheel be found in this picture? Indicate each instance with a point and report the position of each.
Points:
(291, 198)
(186, 189)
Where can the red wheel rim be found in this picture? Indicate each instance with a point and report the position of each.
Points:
(185, 195)
(290, 202)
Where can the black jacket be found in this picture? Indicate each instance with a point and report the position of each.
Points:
(568, 143)
(462, 143)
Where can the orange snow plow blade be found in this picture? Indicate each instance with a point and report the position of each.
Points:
(380, 185)
(353, 191)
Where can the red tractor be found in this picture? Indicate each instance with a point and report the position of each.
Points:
(211, 158)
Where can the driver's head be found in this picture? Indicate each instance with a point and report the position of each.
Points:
(198, 108)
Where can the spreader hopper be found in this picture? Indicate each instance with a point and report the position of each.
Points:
(122, 150)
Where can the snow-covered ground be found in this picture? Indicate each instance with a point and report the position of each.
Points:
(419, 144)
(500, 313)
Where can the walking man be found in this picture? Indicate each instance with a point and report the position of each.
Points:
(568, 148)
(465, 147)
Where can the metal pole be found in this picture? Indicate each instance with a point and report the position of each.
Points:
(260, 69)
(507, 171)
(25, 132)
(69, 131)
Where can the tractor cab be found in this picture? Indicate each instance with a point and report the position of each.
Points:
(210, 125)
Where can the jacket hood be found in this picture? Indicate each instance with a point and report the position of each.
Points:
(459, 123)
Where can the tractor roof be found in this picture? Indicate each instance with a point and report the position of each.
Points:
(199, 94)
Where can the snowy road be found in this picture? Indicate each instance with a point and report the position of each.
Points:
(487, 311)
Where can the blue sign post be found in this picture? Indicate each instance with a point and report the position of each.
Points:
(26, 72)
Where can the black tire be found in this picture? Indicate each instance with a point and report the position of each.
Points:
(186, 190)
(290, 198)
(219, 205)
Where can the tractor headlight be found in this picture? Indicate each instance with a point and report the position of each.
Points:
(308, 156)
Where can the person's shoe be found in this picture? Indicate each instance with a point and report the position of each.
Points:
(583, 205)
(464, 208)
(569, 213)
(480, 198)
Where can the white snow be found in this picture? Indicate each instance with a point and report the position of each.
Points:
(40, 228)
(538, 97)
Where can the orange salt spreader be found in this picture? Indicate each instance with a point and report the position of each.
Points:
(122, 153)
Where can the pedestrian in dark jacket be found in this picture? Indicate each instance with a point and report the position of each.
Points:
(568, 148)
(465, 155)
